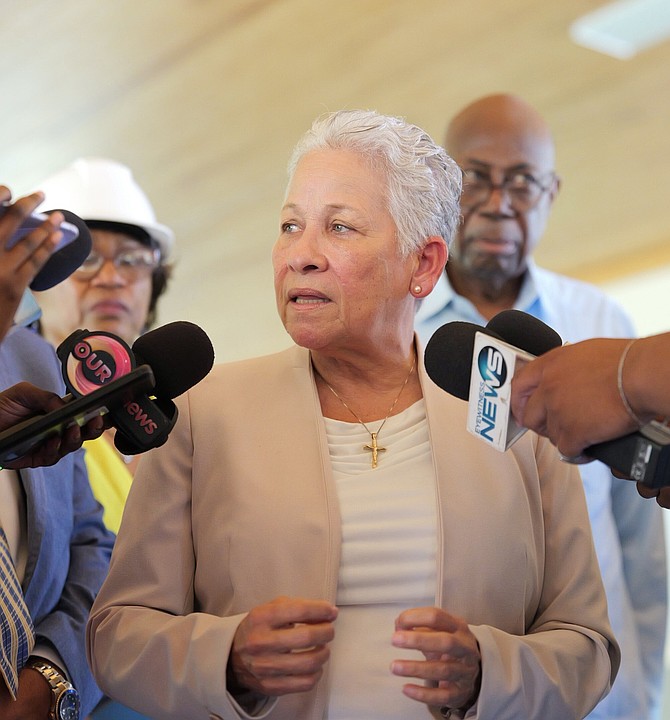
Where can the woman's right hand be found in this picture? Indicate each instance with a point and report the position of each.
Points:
(281, 647)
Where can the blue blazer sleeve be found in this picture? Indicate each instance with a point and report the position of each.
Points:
(69, 552)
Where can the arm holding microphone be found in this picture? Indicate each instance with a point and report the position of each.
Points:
(594, 391)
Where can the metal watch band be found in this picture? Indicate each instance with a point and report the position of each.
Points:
(58, 683)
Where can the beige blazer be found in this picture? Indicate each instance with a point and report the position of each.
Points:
(239, 507)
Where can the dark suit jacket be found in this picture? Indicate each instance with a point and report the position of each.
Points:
(69, 547)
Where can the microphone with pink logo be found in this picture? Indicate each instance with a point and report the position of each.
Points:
(178, 354)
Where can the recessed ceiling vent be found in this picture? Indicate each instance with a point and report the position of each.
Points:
(623, 28)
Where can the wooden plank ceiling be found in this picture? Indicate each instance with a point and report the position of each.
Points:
(204, 99)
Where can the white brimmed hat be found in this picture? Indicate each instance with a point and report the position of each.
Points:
(102, 190)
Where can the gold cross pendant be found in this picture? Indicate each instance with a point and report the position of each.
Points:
(374, 448)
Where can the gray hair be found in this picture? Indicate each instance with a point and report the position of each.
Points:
(424, 183)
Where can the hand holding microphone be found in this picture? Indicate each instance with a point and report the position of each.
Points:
(570, 395)
(23, 401)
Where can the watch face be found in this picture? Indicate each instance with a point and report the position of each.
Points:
(67, 707)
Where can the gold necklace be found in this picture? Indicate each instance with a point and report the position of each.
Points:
(372, 446)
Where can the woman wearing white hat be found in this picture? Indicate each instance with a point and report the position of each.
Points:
(116, 290)
(117, 287)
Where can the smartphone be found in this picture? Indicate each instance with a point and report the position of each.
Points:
(17, 441)
(70, 231)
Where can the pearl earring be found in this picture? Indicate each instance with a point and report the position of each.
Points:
(417, 289)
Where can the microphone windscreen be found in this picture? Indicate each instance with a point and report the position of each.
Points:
(66, 260)
(525, 332)
(448, 356)
(180, 355)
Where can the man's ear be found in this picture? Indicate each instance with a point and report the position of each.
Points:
(431, 261)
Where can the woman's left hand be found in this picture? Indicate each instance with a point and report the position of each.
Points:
(452, 667)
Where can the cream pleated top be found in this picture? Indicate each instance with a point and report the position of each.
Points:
(389, 532)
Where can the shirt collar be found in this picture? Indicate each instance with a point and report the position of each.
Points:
(444, 296)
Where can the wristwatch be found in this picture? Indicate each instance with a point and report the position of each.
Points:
(64, 696)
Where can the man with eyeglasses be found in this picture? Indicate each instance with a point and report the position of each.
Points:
(115, 290)
(506, 152)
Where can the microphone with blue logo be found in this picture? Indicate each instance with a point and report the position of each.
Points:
(476, 364)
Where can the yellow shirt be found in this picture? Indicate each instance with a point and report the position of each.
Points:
(110, 480)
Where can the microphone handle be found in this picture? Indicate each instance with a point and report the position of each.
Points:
(637, 457)
(143, 422)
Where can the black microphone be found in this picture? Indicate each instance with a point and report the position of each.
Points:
(525, 331)
(643, 455)
(449, 352)
(448, 356)
(179, 355)
(68, 258)
(475, 364)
